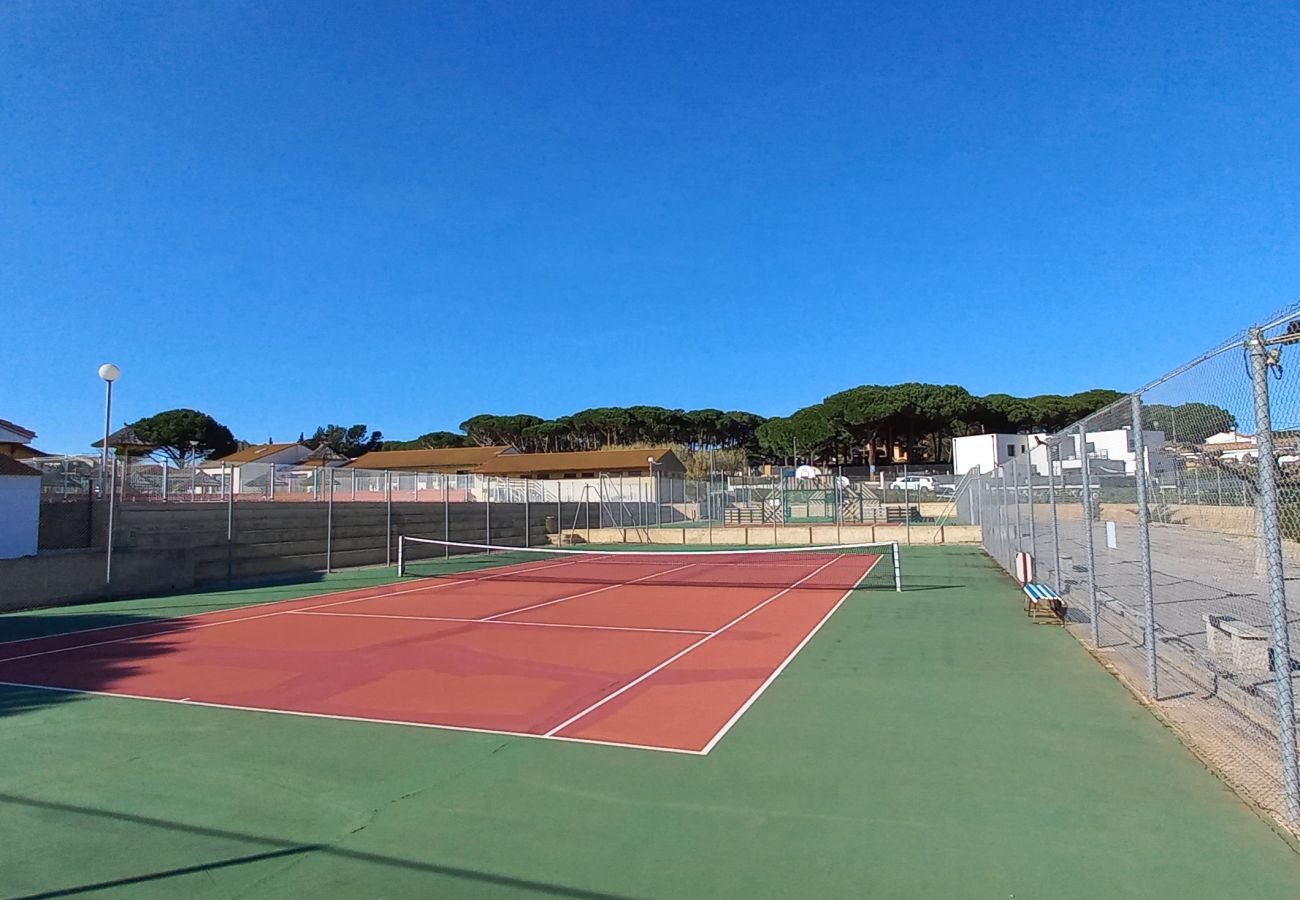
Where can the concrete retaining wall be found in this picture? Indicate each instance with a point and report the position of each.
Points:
(792, 535)
(161, 548)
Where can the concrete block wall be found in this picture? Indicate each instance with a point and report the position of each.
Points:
(165, 548)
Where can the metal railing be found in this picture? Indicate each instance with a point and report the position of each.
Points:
(1167, 521)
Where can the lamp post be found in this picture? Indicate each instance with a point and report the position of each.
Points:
(109, 373)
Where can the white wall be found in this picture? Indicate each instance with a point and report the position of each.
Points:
(20, 515)
(1114, 445)
(988, 451)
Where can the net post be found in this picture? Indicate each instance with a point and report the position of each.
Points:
(401, 555)
(898, 568)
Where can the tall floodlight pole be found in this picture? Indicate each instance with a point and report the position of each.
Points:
(109, 373)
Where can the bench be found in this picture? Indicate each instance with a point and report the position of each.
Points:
(902, 514)
(1041, 600)
(1246, 645)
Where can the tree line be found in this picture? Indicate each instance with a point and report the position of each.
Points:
(863, 425)
(860, 425)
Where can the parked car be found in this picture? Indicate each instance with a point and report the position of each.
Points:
(912, 483)
(945, 490)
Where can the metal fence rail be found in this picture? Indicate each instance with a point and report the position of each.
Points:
(1168, 521)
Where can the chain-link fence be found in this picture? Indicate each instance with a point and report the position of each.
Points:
(659, 500)
(1167, 522)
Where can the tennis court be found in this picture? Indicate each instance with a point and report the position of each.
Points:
(921, 743)
(659, 650)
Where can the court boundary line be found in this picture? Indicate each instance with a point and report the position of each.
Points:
(498, 622)
(679, 654)
(303, 714)
(767, 682)
(264, 615)
(551, 734)
(265, 603)
(599, 590)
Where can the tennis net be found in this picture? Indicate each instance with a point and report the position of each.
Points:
(839, 567)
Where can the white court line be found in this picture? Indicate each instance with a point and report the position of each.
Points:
(498, 622)
(266, 603)
(599, 590)
(753, 698)
(343, 718)
(427, 587)
(676, 656)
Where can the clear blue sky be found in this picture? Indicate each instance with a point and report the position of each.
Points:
(403, 214)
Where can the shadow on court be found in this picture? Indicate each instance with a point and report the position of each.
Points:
(275, 849)
(143, 621)
(93, 672)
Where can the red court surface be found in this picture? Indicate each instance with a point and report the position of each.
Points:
(662, 654)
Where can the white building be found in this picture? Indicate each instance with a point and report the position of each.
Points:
(1110, 452)
(986, 452)
(1232, 445)
(20, 508)
(251, 463)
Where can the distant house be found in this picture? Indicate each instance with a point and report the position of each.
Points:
(585, 464)
(15, 441)
(985, 452)
(247, 469)
(1111, 451)
(1114, 451)
(447, 460)
(20, 507)
(323, 456)
(1232, 445)
(281, 454)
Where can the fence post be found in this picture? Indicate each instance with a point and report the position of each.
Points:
(528, 490)
(446, 512)
(230, 522)
(108, 541)
(1270, 513)
(487, 513)
(1056, 530)
(329, 523)
(777, 504)
(1000, 484)
(388, 517)
(164, 468)
(907, 505)
(1094, 610)
(1033, 519)
(1144, 544)
(1015, 493)
(839, 473)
